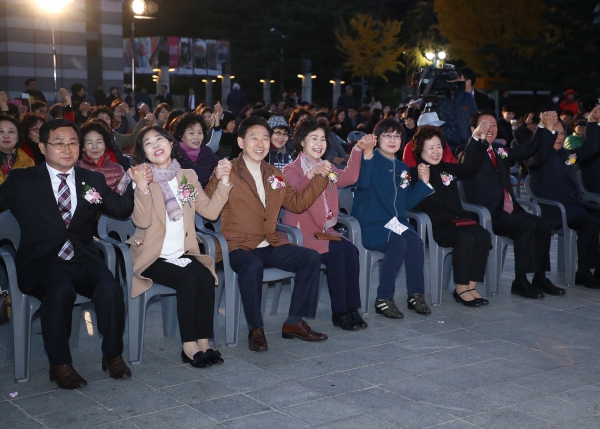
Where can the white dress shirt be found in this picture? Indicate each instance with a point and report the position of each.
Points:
(70, 183)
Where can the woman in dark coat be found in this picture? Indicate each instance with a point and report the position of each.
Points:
(471, 243)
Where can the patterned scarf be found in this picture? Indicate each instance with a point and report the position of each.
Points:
(162, 177)
(7, 160)
(307, 164)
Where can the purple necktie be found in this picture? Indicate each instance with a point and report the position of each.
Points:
(64, 205)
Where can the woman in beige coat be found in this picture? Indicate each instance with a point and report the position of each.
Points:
(164, 247)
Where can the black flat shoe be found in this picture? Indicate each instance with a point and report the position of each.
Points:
(201, 359)
(344, 321)
(457, 298)
(526, 289)
(482, 301)
(358, 319)
(546, 286)
(215, 356)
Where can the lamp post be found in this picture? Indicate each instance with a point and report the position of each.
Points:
(281, 58)
(141, 9)
(435, 58)
(53, 7)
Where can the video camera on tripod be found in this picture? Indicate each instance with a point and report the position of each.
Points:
(430, 84)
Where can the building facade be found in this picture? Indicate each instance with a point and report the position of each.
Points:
(89, 46)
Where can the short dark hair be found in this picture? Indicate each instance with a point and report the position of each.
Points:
(56, 111)
(322, 115)
(388, 126)
(252, 121)
(160, 107)
(469, 74)
(297, 114)
(164, 86)
(29, 120)
(567, 112)
(311, 106)
(15, 122)
(183, 122)
(38, 105)
(55, 124)
(304, 128)
(508, 108)
(28, 81)
(475, 117)
(263, 113)
(139, 156)
(76, 87)
(173, 115)
(426, 132)
(101, 109)
(97, 125)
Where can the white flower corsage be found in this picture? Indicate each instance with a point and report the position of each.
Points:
(276, 182)
(404, 179)
(572, 159)
(91, 195)
(502, 153)
(446, 178)
(186, 192)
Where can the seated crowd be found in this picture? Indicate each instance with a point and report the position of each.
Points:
(161, 169)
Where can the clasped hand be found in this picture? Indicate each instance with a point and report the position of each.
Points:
(142, 176)
(223, 170)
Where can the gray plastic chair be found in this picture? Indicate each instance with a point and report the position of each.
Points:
(567, 237)
(24, 306)
(232, 292)
(587, 195)
(345, 200)
(138, 305)
(354, 136)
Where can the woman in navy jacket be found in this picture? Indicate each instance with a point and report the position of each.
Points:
(383, 193)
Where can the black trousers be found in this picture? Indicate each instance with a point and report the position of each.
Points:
(587, 224)
(249, 266)
(342, 275)
(531, 235)
(57, 290)
(471, 247)
(195, 286)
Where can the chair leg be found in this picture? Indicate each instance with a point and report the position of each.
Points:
(169, 314)
(435, 275)
(218, 296)
(75, 327)
(232, 308)
(263, 299)
(276, 295)
(560, 254)
(21, 325)
(137, 319)
(364, 283)
(447, 271)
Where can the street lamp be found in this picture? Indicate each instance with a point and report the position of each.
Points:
(53, 7)
(141, 9)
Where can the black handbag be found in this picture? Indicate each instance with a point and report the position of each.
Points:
(4, 307)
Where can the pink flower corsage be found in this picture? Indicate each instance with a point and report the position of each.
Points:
(404, 179)
(91, 195)
(446, 178)
(186, 192)
(572, 159)
(502, 153)
(276, 182)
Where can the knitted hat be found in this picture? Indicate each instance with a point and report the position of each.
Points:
(279, 122)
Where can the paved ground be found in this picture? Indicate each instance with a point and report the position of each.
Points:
(513, 364)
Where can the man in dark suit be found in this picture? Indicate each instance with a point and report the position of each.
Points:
(481, 99)
(191, 100)
(589, 161)
(531, 234)
(56, 206)
(164, 96)
(554, 177)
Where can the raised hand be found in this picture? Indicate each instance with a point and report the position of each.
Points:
(141, 175)
(367, 145)
(323, 168)
(594, 115)
(482, 130)
(85, 108)
(65, 96)
(548, 119)
(144, 109)
(423, 171)
(3, 101)
(223, 170)
(124, 108)
(150, 118)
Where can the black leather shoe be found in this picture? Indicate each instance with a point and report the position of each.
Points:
(457, 298)
(525, 289)
(597, 273)
(546, 286)
(66, 377)
(116, 367)
(358, 319)
(201, 359)
(344, 321)
(482, 301)
(586, 280)
(215, 356)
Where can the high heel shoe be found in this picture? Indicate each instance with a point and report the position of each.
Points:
(201, 359)
(457, 298)
(482, 301)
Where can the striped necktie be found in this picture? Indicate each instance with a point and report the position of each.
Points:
(64, 205)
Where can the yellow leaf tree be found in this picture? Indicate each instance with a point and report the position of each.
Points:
(371, 46)
(471, 26)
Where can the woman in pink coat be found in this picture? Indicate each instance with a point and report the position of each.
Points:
(338, 254)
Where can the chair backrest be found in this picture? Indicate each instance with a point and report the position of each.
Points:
(108, 227)
(214, 225)
(354, 136)
(9, 229)
(345, 200)
(528, 187)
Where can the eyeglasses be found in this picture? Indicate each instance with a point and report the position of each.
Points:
(62, 146)
(392, 136)
(281, 134)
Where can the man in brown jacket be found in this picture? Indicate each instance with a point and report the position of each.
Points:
(248, 224)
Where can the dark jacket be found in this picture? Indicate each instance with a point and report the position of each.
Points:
(589, 159)
(486, 188)
(379, 185)
(505, 130)
(236, 100)
(483, 101)
(445, 203)
(204, 165)
(165, 98)
(28, 194)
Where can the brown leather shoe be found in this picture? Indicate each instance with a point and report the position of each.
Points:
(257, 342)
(66, 377)
(116, 367)
(302, 331)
